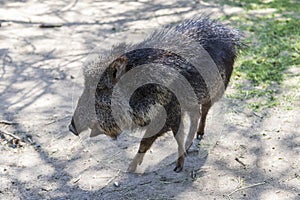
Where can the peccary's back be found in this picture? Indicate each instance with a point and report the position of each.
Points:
(218, 40)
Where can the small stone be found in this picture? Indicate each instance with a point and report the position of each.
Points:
(116, 184)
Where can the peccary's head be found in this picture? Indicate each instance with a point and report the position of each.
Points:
(94, 105)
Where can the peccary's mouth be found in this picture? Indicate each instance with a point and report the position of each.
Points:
(72, 128)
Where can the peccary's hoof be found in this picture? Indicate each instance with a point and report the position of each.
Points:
(179, 164)
(200, 136)
(131, 168)
(178, 169)
(137, 160)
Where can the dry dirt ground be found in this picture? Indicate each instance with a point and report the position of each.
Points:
(245, 155)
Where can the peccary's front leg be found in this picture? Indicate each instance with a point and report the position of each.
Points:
(204, 110)
(145, 145)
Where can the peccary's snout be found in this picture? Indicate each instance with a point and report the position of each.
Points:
(72, 127)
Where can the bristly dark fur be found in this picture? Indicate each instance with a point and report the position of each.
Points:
(220, 42)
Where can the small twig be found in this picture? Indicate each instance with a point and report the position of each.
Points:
(144, 183)
(243, 188)
(7, 122)
(52, 122)
(46, 189)
(10, 134)
(48, 25)
(110, 180)
(56, 120)
(77, 179)
(238, 160)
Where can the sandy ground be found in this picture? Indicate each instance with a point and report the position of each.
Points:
(245, 155)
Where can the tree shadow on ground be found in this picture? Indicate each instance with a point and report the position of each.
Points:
(161, 184)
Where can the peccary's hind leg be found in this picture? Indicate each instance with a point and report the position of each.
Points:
(181, 152)
(194, 125)
(204, 110)
(145, 145)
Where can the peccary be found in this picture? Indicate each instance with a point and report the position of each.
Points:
(200, 50)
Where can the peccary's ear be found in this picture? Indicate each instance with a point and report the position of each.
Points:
(119, 67)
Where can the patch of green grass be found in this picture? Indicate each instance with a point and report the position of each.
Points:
(288, 101)
(273, 47)
(281, 5)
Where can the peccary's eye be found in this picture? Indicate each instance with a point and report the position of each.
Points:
(115, 73)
